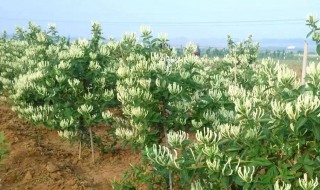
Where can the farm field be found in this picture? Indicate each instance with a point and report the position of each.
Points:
(135, 113)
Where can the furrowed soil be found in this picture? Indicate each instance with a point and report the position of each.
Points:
(38, 159)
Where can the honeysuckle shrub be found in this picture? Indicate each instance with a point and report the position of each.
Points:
(271, 142)
(163, 92)
(167, 93)
(68, 87)
(22, 52)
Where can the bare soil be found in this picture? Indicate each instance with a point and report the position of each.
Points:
(38, 159)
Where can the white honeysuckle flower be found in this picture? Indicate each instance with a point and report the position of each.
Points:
(67, 134)
(190, 48)
(135, 92)
(92, 117)
(51, 26)
(104, 50)
(95, 24)
(313, 71)
(307, 103)
(308, 185)
(138, 126)
(184, 74)
(292, 127)
(160, 83)
(174, 88)
(83, 43)
(257, 114)
(93, 55)
(199, 79)
(60, 78)
(147, 96)
(196, 185)
(41, 37)
(246, 173)
(286, 76)
(85, 109)
(112, 44)
(162, 67)
(129, 38)
(107, 115)
(145, 83)
(139, 112)
(64, 65)
(73, 83)
(215, 95)
(228, 115)
(43, 64)
(211, 150)
(278, 109)
(244, 107)
(207, 137)
(213, 165)
(253, 134)
(42, 90)
(94, 65)
(176, 139)
(196, 124)
(130, 81)
(230, 131)
(123, 133)
(88, 96)
(145, 30)
(123, 72)
(101, 82)
(163, 156)
(163, 37)
(140, 139)
(284, 186)
(75, 51)
(66, 123)
(108, 94)
(227, 170)
(181, 106)
(209, 116)
(38, 117)
(236, 92)
(181, 121)
(122, 95)
(292, 113)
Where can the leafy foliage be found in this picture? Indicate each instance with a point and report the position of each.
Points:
(312, 22)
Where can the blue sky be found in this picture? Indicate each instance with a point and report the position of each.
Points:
(193, 19)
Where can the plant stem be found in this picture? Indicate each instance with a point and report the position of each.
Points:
(170, 180)
(91, 144)
(80, 149)
(166, 143)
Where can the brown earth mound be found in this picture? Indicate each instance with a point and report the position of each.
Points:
(40, 160)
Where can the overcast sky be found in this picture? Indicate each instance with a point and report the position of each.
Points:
(193, 19)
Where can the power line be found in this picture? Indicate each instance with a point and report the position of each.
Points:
(190, 23)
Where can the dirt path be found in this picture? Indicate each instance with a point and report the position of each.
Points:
(39, 160)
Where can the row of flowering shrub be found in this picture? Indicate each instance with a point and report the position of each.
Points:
(222, 123)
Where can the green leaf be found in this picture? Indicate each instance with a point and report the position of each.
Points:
(261, 162)
(301, 122)
(316, 131)
(308, 35)
(318, 49)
